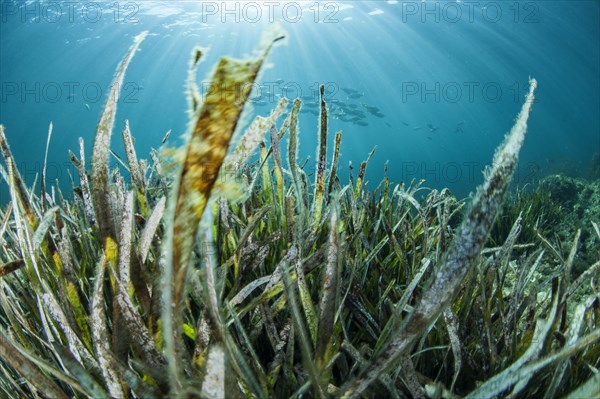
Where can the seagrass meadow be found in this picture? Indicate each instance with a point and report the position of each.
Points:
(223, 270)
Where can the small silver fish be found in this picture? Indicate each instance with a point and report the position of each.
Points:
(166, 136)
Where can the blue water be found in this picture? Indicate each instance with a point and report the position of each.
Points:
(435, 85)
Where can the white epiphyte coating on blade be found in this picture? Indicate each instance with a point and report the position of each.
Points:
(321, 160)
(467, 245)
(14, 174)
(254, 135)
(99, 326)
(132, 161)
(213, 385)
(43, 182)
(101, 149)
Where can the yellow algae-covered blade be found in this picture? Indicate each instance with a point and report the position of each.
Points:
(206, 150)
